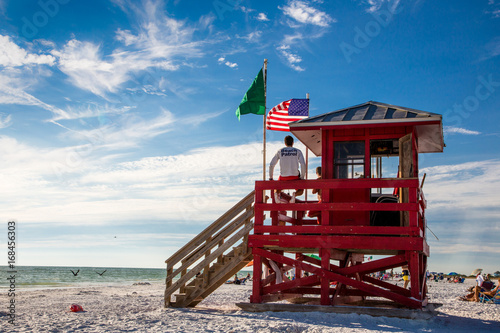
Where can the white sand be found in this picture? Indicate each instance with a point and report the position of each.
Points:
(140, 309)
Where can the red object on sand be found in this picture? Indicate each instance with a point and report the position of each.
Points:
(76, 308)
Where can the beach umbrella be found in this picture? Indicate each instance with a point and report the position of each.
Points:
(477, 271)
(313, 256)
(453, 273)
(249, 264)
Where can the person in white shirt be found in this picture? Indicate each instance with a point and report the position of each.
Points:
(290, 158)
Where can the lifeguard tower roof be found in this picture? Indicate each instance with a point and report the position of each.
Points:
(428, 125)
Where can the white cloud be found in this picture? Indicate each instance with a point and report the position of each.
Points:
(301, 12)
(229, 64)
(11, 55)
(469, 187)
(262, 17)
(254, 36)
(492, 48)
(12, 91)
(375, 5)
(459, 130)
(160, 42)
(5, 121)
(494, 9)
(291, 58)
(125, 132)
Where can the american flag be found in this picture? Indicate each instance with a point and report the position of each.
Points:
(286, 112)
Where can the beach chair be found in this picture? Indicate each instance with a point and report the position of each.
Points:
(490, 299)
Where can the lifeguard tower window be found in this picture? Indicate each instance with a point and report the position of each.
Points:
(384, 161)
(349, 159)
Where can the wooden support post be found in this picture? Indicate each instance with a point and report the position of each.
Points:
(168, 299)
(182, 288)
(325, 282)
(414, 267)
(257, 280)
(298, 271)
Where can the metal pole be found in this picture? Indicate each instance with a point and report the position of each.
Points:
(307, 150)
(264, 126)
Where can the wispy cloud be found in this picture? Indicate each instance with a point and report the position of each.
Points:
(5, 120)
(159, 41)
(11, 55)
(459, 130)
(128, 131)
(301, 12)
(492, 49)
(292, 59)
(308, 23)
(467, 187)
(13, 88)
(375, 5)
(494, 8)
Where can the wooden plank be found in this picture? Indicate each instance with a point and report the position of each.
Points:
(339, 242)
(221, 221)
(388, 286)
(339, 206)
(373, 266)
(339, 230)
(281, 287)
(332, 184)
(425, 314)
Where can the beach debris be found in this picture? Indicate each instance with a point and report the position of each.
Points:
(75, 308)
(141, 284)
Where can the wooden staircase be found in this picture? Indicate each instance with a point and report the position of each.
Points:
(211, 258)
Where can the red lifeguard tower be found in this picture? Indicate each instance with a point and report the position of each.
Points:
(361, 214)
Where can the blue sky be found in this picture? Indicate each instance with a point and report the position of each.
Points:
(118, 138)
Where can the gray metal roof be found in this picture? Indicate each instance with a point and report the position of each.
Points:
(308, 130)
(368, 112)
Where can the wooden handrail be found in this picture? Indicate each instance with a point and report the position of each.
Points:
(200, 252)
(189, 275)
(210, 230)
(210, 246)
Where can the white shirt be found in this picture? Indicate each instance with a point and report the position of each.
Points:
(289, 158)
(480, 280)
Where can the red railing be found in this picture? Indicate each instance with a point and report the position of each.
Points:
(413, 203)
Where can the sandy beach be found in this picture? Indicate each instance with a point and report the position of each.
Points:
(139, 308)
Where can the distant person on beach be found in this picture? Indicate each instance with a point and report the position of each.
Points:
(290, 158)
(477, 290)
(406, 276)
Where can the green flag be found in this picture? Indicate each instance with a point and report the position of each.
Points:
(254, 100)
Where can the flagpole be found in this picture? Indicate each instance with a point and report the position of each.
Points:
(307, 149)
(264, 126)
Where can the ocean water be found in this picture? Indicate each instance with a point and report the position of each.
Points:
(28, 277)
